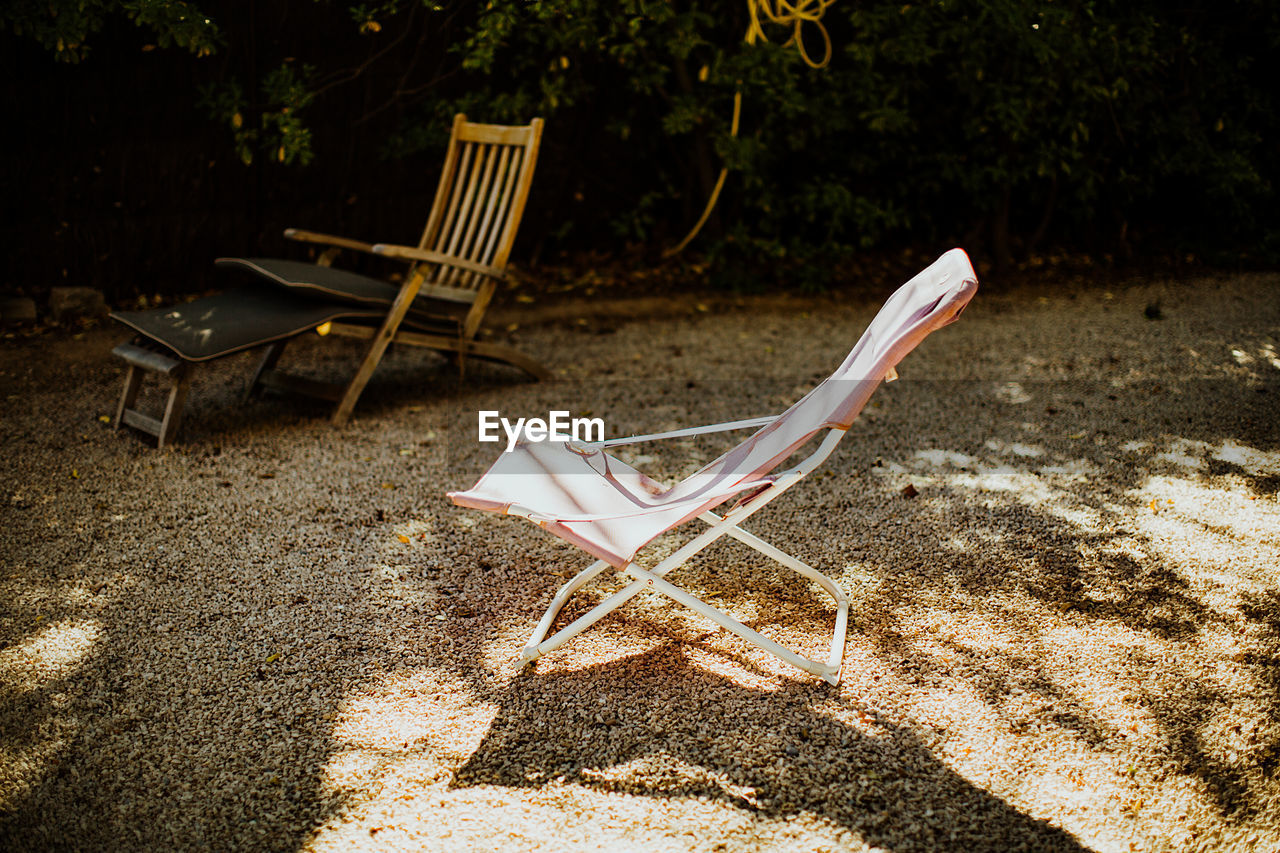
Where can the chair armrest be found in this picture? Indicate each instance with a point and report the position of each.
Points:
(327, 240)
(413, 253)
(678, 433)
(653, 509)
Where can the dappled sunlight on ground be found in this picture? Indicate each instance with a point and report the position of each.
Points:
(396, 741)
(1260, 356)
(1194, 519)
(51, 654)
(35, 670)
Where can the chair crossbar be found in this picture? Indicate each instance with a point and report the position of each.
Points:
(828, 671)
(725, 525)
(781, 556)
(535, 646)
(613, 602)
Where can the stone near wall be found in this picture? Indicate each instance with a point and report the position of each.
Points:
(69, 302)
(17, 309)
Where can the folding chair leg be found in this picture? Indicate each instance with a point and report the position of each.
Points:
(620, 597)
(582, 623)
(726, 525)
(646, 579)
(569, 588)
(829, 672)
(775, 553)
(802, 568)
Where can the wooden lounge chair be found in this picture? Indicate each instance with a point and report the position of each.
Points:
(451, 278)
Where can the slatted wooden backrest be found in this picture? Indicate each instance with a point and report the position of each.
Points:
(481, 197)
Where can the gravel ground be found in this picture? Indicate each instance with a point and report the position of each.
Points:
(278, 635)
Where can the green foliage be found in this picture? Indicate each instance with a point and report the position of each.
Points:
(992, 118)
(279, 131)
(1008, 123)
(64, 26)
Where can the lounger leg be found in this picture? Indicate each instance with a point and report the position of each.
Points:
(269, 360)
(132, 383)
(173, 409)
(174, 370)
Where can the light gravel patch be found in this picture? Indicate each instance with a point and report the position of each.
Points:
(280, 635)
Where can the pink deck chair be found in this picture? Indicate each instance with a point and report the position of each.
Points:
(586, 496)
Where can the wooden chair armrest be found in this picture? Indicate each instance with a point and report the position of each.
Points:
(328, 240)
(415, 254)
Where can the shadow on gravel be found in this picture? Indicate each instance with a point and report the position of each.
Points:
(660, 727)
(1104, 555)
(220, 691)
(217, 411)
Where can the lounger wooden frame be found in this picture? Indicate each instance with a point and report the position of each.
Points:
(173, 371)
(457, 263)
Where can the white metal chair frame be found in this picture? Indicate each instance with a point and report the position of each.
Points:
(720, 525)
(551, 484)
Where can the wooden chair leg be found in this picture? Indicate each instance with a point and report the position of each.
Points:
(132, 383)
(173, 408)
(377, 348)
(269, 360)
(142, 360)
(365, 372)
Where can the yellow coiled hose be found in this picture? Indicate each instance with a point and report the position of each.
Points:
(786, 14)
